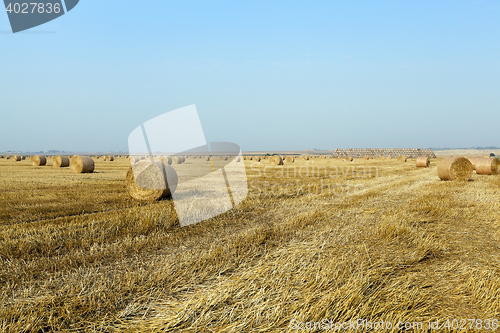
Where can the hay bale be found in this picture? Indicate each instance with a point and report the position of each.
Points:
(61, 162)
(349, 159)
(256, 159)
(402, 158)
(176, 159)
(7, 157)
(455, 168)
(167, 159)
(306, 158)
(487, 166)
(133, 159)
(366, 157)
(207, 158)
(38, 160)
(276, 160)
(23, 158)
(82, 164)
(147, 181)
(110, 158)
(16, 158)
(289, 159)
(381, 157)
(423, 162)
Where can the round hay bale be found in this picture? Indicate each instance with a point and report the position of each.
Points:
(256, 158)
(133, 159)
(16, 158)
(7, 157)
(289, 159)
(455, 168)
(487, 166)
(276, 160)
(402, 158)
(349, 159)
(366, 157)
(176, 159)
(167, 159)
(306, 158)
(110, 158)
(423, 162)
(23, 158)
(61, 162)
(82, 164)
(238, 158)
(38, 160)
(147, 181)
(207, 158)
(381, 157)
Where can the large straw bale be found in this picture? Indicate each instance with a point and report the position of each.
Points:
(149, 181)
(61, 161)
(423, 162)
(38, 160)
(82, 164)
(487, 166)
(289, 159)
(455, 168)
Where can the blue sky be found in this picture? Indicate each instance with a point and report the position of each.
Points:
(267, 75)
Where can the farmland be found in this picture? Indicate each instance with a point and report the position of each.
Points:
(321, 239)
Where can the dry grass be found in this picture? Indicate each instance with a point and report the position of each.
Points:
(78, 254)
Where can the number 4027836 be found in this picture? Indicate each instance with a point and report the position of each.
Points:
(33, 7)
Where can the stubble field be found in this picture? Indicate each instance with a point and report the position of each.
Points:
(322, 239)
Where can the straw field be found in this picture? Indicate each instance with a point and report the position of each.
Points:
(317, 239)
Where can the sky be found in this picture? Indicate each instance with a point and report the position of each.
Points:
(266, 75)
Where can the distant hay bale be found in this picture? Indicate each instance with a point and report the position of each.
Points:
(381, 157)
(133, 159)
(7, 157)
(289, 159)
(306, 158)
(207, 158)
(487, 166)
(176, 159)
(455, 168)
(167, 159)
(23, 158)
(276, 160)
(366, 157)
(402, 158)
(38, 160)
(349, 158)
(256, 158)
(423, 162)
(147, 181)
(61, 161)
(16, 158)
(109, 158)
(82, 164)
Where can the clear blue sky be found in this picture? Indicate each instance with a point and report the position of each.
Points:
(267, 75)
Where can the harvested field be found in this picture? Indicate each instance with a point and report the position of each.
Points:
(375, 239)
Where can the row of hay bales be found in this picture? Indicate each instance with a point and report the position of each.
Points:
(77, 164)
(461, 168)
